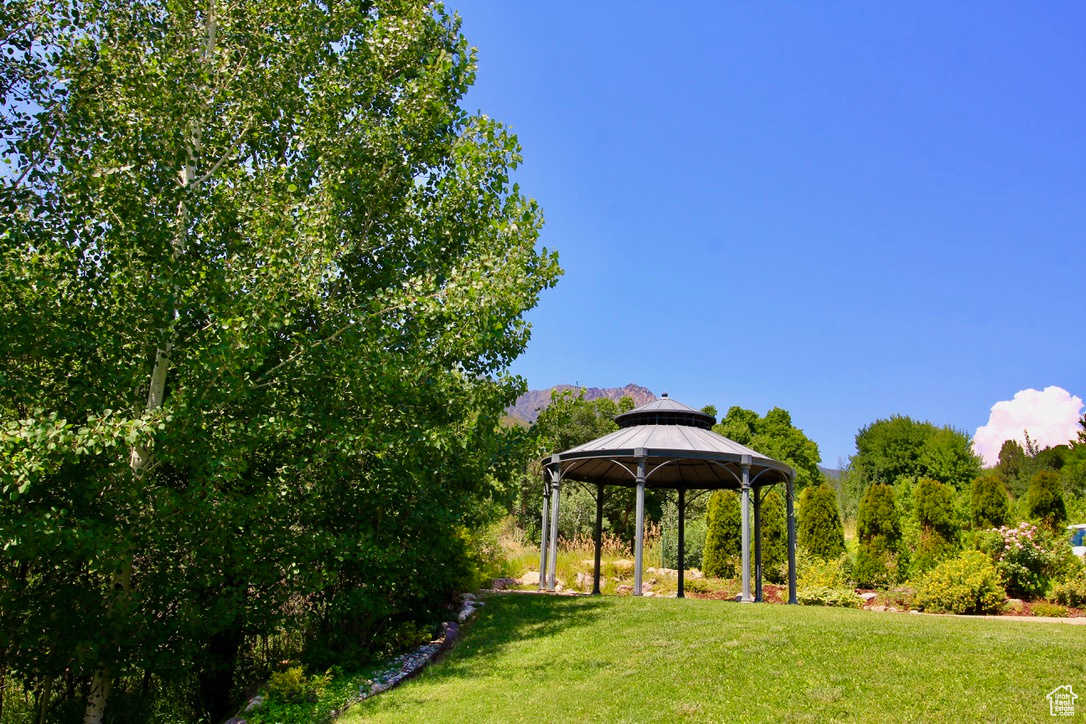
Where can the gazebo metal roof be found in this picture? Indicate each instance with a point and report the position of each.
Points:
(666, 444)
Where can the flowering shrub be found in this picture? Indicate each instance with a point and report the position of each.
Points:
(966, 584)
(1021, 556)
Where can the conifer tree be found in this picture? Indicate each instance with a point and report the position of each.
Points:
(1045, 500)
(819, 522)
(878, 527)
(722, 535)
(989, 501)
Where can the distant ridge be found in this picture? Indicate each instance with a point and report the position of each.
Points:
(527, 407)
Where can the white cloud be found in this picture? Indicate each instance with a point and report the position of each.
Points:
(1051, 417)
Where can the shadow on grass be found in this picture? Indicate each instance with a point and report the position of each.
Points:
(508, 620)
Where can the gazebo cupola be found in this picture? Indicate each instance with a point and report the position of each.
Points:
(666, 444)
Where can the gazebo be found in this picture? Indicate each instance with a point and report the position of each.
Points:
(666, 444)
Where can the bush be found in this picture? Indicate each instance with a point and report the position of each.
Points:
(1071, 592)
(723, 535)
(814, 572)
(819, 522)
(839, 597)
(1049, 610)
(1021, 557)
(1045, 500)
(878, 528)
(989, 502)
(933, 503)
(293, 686)
(968, 583)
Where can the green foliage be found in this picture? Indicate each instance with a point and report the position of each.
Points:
(774, 435)
(694, 536)
(1024, 561)
(990, 506)
(261, 279)
(838, 597)
(813, 572)
(968, 583)
(1071, 592)
(1049, 610)
(1046, 503)
(723, 535)
(936, 514)
(774, 538)
(878, 528)
(900, 448)
(818, 522)
(293, 686)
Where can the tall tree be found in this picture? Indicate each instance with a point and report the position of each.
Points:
(261, 278)
(900, 448)
(774, 435)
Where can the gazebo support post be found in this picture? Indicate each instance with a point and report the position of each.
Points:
(791, 495)
(746, 597)
(599, 539)
(682, 540)
(553, 563)
(758, 544)
(639, 531)
(543, 533)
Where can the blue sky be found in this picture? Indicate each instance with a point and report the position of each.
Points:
(848, 210)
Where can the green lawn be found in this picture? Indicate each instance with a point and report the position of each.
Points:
(543, 658)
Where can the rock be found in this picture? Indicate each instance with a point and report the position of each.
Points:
(465, 613)
(646, 587)
(694, 574)
(624, 590)
(584, 581)
(590, 565)
(558, 587)
(468, 597)
(502, 584)
(891, 609)
(255, 702)
(914, 611)
(1017, 605)
(646, 594)
(878, 608)
(663, 572)
(622, 565)
(869, 596)
(531, 578)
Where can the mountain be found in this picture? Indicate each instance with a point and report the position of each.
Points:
(527, 407)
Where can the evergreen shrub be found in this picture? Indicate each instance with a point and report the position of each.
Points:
(968, 583)
(990, 506)
(933, 504)
(878, 529)
(1045, 500)
(723, 531)
(819, 522)
(774, 538)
